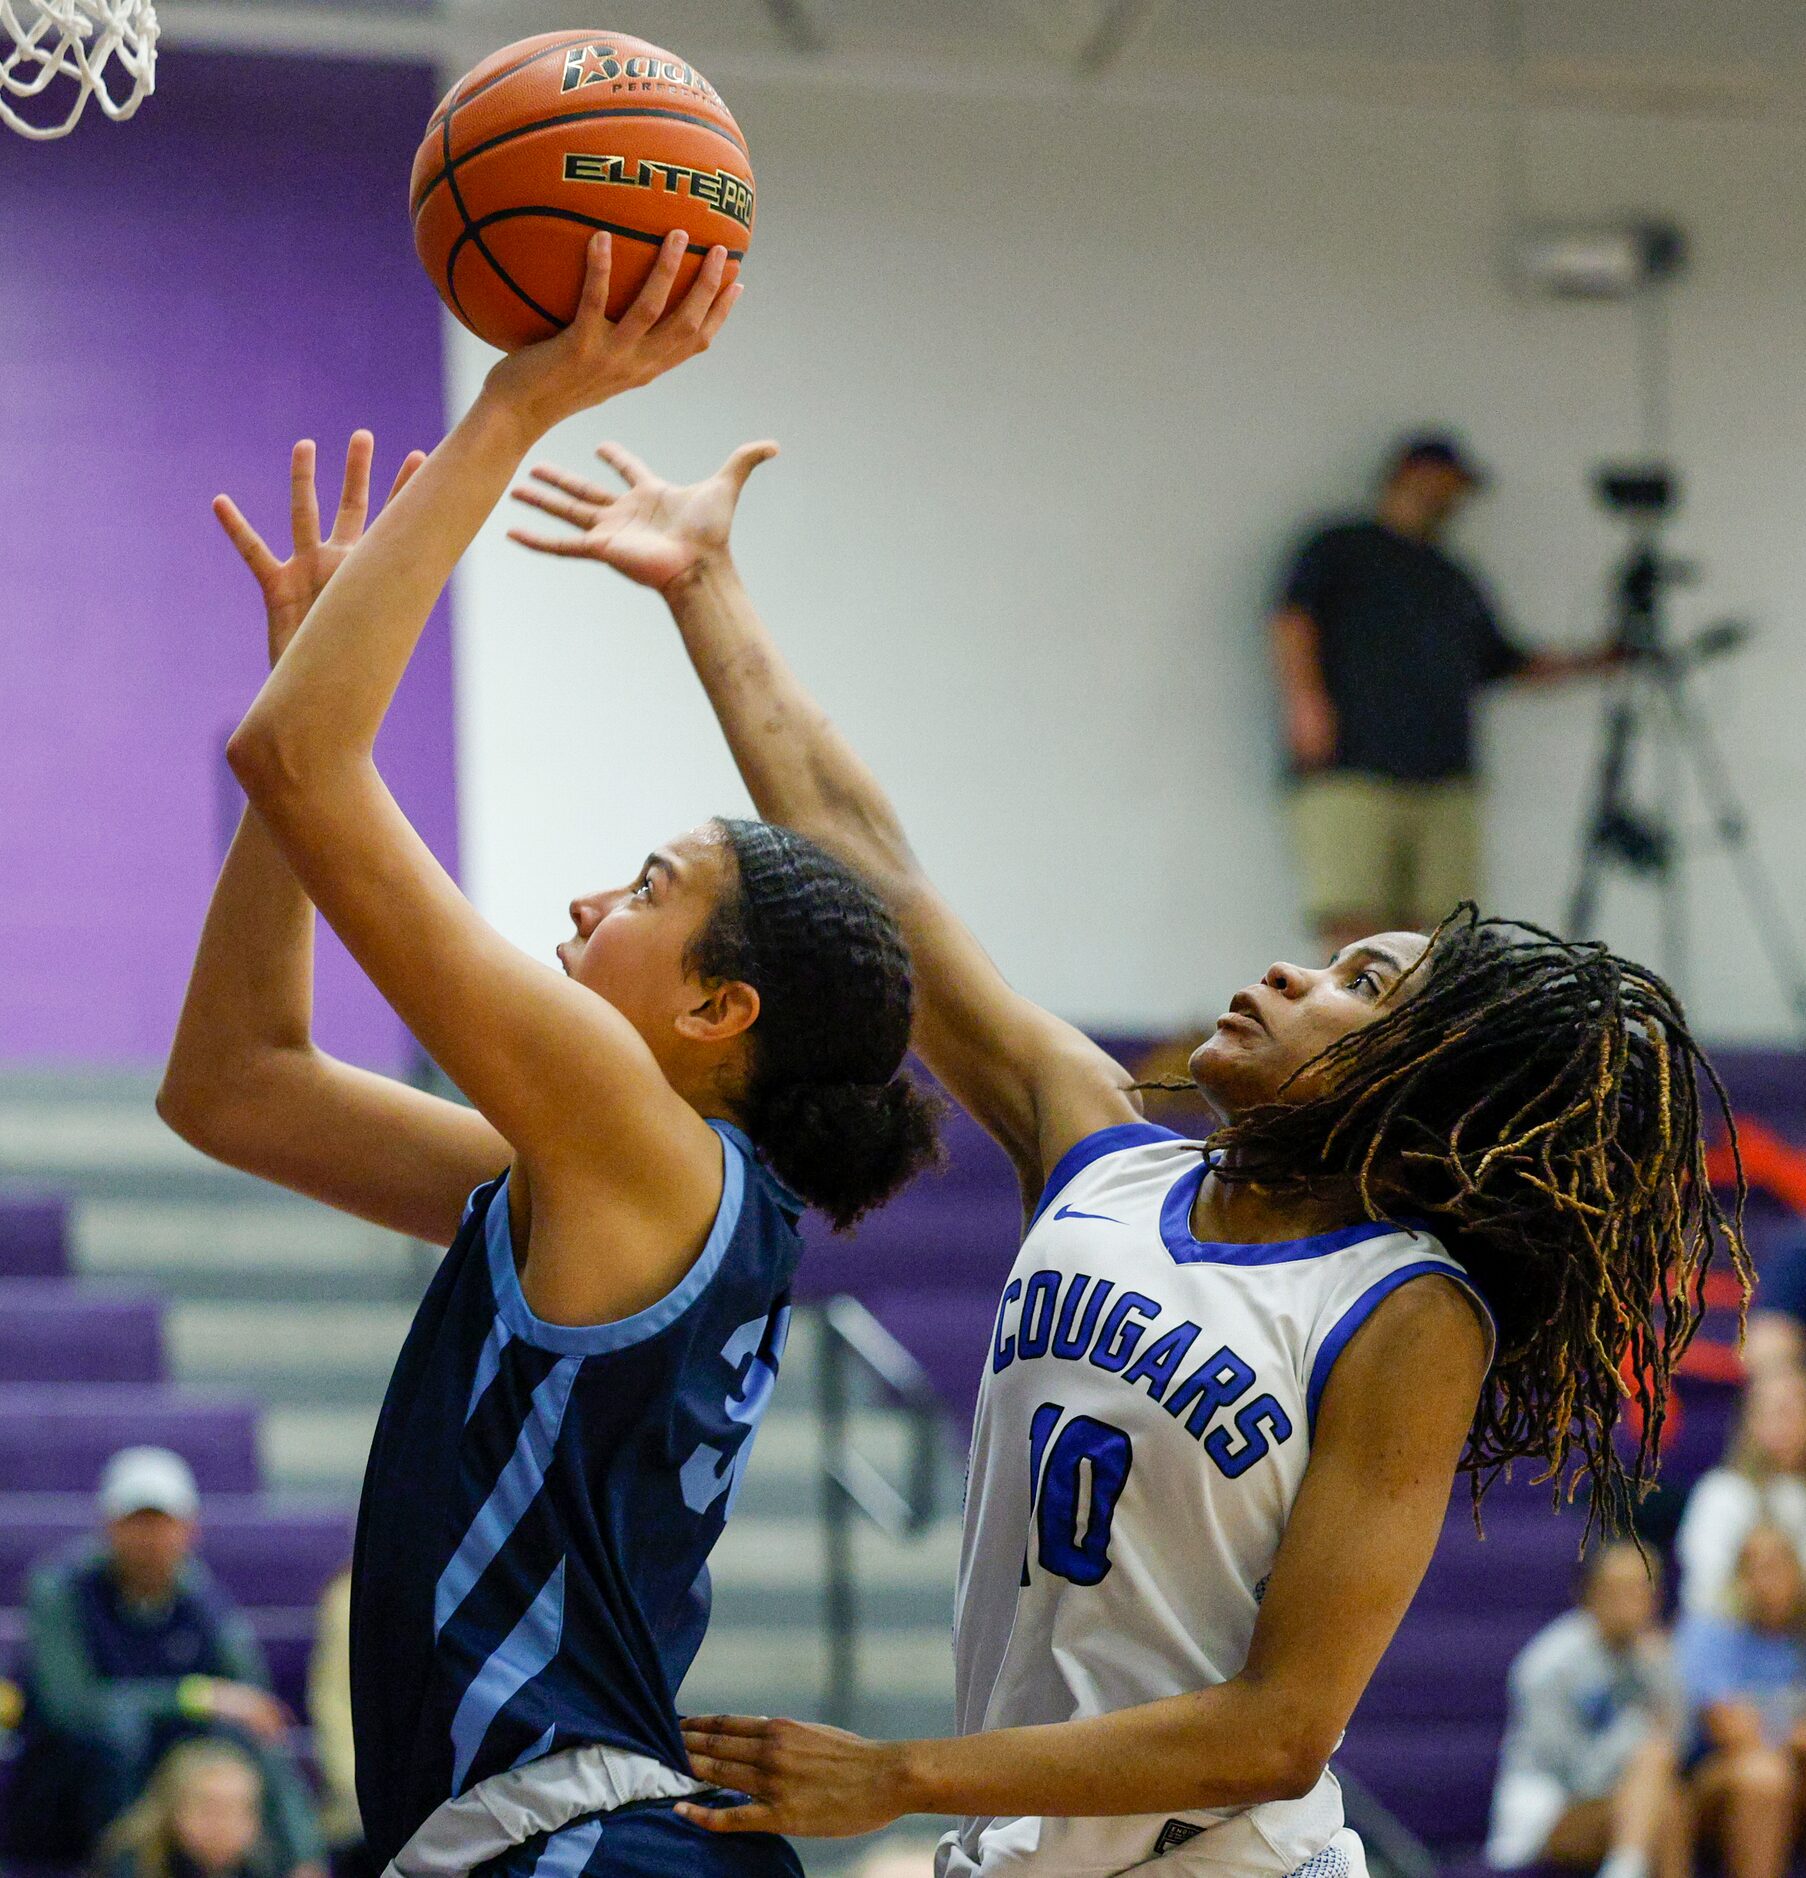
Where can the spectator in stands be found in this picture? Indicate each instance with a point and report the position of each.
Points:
(1588, 1773)
(1745, 1680)
(200, 1817)
(329, 1709)
(132, 1647)
(1763, 1482)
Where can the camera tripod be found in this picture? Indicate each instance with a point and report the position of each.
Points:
(1653, 707)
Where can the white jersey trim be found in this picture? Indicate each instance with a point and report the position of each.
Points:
(1093, 1147)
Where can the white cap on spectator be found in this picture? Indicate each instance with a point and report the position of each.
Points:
(141, 1480)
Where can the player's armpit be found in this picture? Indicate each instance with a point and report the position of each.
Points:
(1035, 1083)
(1388, 1436)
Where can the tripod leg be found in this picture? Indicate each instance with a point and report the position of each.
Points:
(1730, 825)
(1671, 886)
(1607, 803)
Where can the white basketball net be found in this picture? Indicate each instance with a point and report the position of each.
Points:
(105, 49)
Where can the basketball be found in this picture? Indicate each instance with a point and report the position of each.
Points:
(553, 138)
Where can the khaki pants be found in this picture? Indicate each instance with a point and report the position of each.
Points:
(1394, 855)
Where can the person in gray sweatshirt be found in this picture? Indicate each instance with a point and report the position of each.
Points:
(1589, 1771)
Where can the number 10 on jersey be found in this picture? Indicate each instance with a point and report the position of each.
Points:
(1075, 1479)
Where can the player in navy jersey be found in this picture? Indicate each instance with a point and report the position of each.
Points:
(1457, 1212)
(575, 1402)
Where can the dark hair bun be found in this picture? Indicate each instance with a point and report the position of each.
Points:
(846, 1147)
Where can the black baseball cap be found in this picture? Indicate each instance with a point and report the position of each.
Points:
(1440, 447)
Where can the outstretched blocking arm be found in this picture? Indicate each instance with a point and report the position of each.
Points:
(245, 1081)
(1035, 1083)
(1355, 1548)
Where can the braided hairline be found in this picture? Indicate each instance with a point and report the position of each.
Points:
(1584, 1211)
(772, 933)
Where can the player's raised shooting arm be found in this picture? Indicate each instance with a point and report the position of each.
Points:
(553, 1067)
(1355, 1548)
(1037, 1084)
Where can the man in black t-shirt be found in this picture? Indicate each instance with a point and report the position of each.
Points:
(1381, 641)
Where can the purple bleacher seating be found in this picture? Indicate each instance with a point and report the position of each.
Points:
(263, 1551)
(1768, 1226)
(55, 1331)
(958, 1226)
(970, 1158)
(1768, 1083)
(57, 1437)
(34, 1235)
(1522, 1564)
(287, 1637)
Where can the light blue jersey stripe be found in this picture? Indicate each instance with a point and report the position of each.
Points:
(512, 1494)
(537, 1750)
(518, 1658)
(566, 1853)
(489, 1360)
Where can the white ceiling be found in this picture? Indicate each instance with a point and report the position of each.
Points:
(1743, 58)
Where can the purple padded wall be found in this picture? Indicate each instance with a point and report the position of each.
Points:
(183, 296)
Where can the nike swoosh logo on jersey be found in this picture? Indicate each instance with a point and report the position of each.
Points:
(1072, 1212)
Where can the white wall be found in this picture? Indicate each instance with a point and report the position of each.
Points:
(1057, 379)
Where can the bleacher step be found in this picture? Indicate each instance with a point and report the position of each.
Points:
(269, 1247)
(906, 1675)
(290, 1353)
(768, 1555)
(312, 1449)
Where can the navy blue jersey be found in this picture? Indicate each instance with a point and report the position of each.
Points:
(541, 1501)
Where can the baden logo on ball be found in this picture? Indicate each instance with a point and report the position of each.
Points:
(595, 65)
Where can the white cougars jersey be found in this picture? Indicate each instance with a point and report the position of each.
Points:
(1143, 1425)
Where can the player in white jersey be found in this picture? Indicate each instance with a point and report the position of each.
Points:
(1459, 1188)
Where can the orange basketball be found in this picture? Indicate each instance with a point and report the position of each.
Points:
(551, 139)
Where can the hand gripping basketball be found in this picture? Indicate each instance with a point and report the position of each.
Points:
(594, 357)
(656, 532)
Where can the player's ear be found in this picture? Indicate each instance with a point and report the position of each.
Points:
(724, 1010)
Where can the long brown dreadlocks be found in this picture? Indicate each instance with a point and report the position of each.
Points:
(1537, 1104)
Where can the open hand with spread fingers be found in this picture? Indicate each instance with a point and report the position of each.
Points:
(291, 587)
(819, 1782)
(653, 531)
